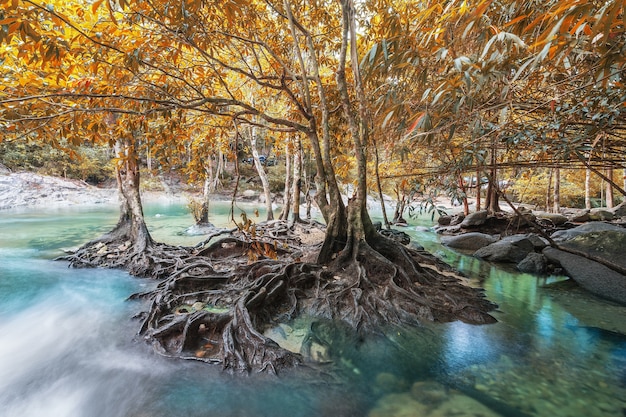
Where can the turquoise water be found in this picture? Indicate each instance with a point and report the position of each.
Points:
(68, 345)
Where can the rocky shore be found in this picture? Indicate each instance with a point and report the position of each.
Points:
(586, 245)
(29, 190)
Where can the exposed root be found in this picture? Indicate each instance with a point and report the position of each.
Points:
(213, 305)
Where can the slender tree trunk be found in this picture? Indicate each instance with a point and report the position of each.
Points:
(478, 189)
(492, 198)
(284, 212)
(610, 198)
(297, 180)
(588, 189)
(464, 191)
(262, 174)
(549, 191)
(380, 188)
(556, 201)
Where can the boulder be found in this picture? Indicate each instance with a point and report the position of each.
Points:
(471, 241)
(580, 217)
(533, 263)
(475, 219)
(562, 235)
(538, 242)
(510, 249)
(444, 220)
(619, 210)
(590, 275)
(600, 214)
(557, 219)
(608, 245)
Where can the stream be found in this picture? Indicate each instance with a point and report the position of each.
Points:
(69, 348)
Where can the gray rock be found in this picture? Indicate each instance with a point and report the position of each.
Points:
(600, 214)
(590, 275)
(581, 216)
(533, 263)
(562, 235)
(510, 249)
(396, 235)
(444, 220)
(475, 219)
(468, 241)
(538, 242)
(608, 245)
(619, 210)
(556, 218)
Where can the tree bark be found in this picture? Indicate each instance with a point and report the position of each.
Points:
(262, 174)
(284, 212)
(556, 200)
(610, 198)
(296, 180)
(131, 224)
(588, 189)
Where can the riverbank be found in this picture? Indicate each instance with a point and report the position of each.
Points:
(30, 190)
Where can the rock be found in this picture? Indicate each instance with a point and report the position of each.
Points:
(428, 392)
(608, 245)
(249, 193)
(387, 382)
(600, 214)
(416, 246)
(562, 235)
(469, 241)
(557, 219)
(444, 220)
(510, 249)
(619, 210)
(590, 275)
(580, 217)
(396, 235)
(538, 242)
(475, 219)
(533, 263)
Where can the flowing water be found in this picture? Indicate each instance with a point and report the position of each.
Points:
(68, 345)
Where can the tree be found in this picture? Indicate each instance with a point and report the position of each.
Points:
(165, 69)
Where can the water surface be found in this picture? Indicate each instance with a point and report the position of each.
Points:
(68, 345)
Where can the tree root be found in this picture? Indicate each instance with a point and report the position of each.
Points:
(213, 306)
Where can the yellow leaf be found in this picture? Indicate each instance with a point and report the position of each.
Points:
(95, 6)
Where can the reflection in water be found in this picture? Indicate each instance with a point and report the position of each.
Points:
(69, 349)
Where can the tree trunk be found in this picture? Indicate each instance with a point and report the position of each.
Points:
(284, 212)
(492, 198)
(478, 189)
(610, 198)
(556, 200)
(549, 191)
(464, 192)
(131, 224)
(380, 188)
(297, 180)
(262, 174)
(588, 189)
